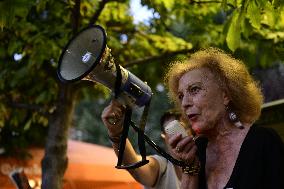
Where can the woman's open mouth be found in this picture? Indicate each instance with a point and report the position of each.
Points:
(192, 117)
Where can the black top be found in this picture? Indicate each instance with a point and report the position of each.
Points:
(260, 164)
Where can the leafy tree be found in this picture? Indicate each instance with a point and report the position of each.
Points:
(34, 32)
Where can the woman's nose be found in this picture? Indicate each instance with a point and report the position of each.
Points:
(187, 102)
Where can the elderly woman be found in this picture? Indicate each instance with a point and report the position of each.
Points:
(222, 102)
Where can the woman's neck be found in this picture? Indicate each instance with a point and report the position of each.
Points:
(225, 131)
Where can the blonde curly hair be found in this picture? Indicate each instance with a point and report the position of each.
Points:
(232, 76)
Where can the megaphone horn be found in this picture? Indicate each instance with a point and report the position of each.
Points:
(87, 57)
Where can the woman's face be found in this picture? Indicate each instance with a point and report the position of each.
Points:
(201, 99)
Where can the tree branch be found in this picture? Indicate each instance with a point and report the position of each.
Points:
(25, 106)
(76, 16)
(98, 12)
(159, 57)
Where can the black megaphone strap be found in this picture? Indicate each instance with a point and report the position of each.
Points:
(126, 124)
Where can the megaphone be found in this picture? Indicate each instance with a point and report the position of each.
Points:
(87, 57)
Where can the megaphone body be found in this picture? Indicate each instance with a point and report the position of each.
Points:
(87, 57)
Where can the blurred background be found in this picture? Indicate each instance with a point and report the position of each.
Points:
(39, 111)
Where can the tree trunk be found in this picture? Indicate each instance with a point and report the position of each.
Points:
(55, 161)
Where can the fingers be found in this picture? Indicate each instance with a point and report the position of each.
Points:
(174, 139)
(185, 144)
(112, 117)
(183, 148)
(189, 156)
(179, 142)
(117, 111)
(114, 109)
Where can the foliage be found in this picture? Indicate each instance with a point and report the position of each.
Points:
(29, 85)
(237, 25)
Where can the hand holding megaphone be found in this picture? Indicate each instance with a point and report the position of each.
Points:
(112, 117)
(87, 57)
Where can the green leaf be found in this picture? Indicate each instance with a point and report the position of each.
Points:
(253, 13)
(169, 4)
(269, 15)
(264, 60)
(10, 9)
(40, 6)
(224, 4)
(277, 3)
(247, 29)
(234, 33)
(261, 3)
(6, 14)
(41, 97)
(27, 125)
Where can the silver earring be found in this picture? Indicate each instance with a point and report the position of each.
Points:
(234, 118)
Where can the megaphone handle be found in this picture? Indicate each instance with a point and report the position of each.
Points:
(127, 120)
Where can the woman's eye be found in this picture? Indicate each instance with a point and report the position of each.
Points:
(180, 96)
(194, 90)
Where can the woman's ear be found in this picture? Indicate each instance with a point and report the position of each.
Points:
(226, 98)
(163, 135)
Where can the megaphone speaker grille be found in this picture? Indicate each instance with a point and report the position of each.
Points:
(82, 54)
